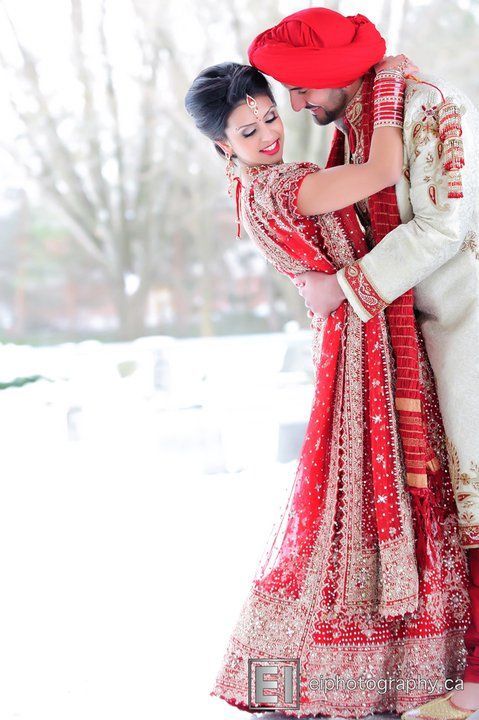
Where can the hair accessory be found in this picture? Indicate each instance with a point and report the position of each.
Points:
(252, 104)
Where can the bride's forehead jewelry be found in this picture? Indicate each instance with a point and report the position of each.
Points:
(253, 105)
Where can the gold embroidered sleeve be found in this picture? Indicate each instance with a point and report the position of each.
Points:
(414, 249)
(270, 214)
(360, 291)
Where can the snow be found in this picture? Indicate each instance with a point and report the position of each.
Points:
(134, 510)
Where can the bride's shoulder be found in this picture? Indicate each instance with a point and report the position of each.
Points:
(285, 169)
(274, 178)
(274, 188)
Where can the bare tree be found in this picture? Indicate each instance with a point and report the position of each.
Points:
(109, 186)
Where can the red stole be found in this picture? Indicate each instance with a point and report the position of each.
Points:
(418, 454)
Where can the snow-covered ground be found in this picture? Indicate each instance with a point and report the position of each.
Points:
(140, 484)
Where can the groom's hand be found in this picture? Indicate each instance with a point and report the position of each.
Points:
(321, 292)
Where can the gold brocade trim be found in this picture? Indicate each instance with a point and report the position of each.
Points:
(274, 190)
(466, 494)
(412, 404)
(417, 479)
(408, 419)
(412, 441)
(436, 658)
(365, 292)
(433, 464)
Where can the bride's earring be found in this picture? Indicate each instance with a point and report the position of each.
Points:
(234, 192)
(230, 170)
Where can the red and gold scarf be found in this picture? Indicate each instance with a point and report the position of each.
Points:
(404, 331)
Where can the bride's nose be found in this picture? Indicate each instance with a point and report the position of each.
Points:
(268, 136)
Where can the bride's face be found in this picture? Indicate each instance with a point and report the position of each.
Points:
(255, 140)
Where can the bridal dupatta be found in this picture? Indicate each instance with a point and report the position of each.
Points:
(342, 567)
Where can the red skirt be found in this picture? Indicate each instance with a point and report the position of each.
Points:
(372, 630)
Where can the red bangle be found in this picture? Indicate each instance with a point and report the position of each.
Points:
(388, 98)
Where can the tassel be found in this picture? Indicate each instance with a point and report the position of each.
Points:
(237, 195)
(450, 132)
(428, 518)
(455, 187)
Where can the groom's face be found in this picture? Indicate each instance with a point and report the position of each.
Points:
(325, 105)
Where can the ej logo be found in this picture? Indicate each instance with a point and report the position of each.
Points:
(273, 683)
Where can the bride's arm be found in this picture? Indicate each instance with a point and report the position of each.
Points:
(337, 187)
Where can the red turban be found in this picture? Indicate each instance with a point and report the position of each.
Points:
(318, 48)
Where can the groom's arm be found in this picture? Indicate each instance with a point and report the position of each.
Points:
(413, 250)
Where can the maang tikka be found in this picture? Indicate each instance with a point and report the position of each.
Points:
(253, 105)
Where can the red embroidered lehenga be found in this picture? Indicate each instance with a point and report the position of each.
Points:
(342, 586)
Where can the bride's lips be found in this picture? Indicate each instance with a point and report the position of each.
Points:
(271, 149)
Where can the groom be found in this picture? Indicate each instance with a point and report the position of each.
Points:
(422, 234)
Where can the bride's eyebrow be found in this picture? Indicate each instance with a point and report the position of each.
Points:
(253, 123)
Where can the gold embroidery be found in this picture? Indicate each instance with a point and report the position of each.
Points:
(274, 626)
(417, 479)
(256, 218)
(412, 441)
(347, 558)
(425, 128)
(364, 289)
(471, 243)
(317, 325)
(335, 239)
(353, 114)
(403, 403)
(466, 492)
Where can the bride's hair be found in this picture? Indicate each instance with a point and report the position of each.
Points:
(215, 93)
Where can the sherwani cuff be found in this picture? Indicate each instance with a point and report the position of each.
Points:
(360, 292)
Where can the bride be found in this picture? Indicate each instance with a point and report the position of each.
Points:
(365, 583)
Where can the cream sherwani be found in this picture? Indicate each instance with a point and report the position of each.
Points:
(435, 251)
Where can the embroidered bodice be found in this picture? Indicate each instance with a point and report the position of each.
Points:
(294, 243)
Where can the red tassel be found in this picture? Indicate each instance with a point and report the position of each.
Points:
(238, 216)
(237, 196)
(455, 186)
(428, 519)
(450, 131)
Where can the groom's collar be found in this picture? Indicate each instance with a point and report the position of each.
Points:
(354, 108)
(352, 112)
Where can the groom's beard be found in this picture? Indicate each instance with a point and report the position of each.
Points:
(324, 117)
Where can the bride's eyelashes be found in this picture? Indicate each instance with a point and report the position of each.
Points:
(247, 135)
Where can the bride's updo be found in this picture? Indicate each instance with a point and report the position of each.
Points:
(217, 91)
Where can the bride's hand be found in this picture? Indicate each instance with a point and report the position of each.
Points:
(397, 62)
(321, 292)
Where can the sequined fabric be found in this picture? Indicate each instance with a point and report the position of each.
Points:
(435, 251)
(339, 587)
